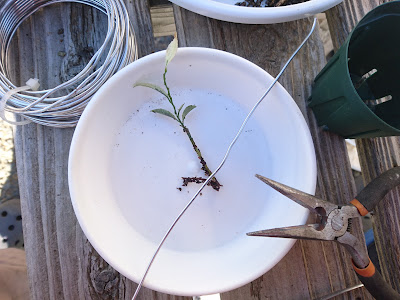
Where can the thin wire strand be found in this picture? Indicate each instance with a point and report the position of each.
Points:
(338, 293)
(118, 50)
(223, 160)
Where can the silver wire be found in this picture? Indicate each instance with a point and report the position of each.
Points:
(338, 293)
(118, 50)
(223, 160)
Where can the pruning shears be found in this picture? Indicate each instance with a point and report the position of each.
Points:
(333, 224)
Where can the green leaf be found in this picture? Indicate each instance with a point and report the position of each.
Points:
(164, 112)
(180, 108)
(187, 110)
(152, 86)
(171, 50)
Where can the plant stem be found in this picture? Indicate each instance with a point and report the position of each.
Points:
(169, 95)
(214, 182)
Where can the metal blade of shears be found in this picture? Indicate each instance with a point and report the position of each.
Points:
(306, 200)
(305, 232)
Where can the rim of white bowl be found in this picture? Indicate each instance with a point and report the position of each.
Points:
(256, 15)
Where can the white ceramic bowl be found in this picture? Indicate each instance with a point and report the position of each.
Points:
(126, 162)
(226, 10)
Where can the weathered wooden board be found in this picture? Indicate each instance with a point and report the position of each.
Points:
(163, 20)
(311, 269)
(376, 155)
(61, 262)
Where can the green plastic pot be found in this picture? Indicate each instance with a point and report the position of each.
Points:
(357, 94)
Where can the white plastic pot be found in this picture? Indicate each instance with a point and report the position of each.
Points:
(126, 164)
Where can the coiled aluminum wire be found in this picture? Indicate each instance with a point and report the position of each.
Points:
(43, 107)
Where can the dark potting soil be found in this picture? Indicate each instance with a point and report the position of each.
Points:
(268, 3)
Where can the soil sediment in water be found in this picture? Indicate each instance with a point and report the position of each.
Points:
(268, 3)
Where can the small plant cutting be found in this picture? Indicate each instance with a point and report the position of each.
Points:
(179, 115)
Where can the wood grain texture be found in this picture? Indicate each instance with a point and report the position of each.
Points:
(376, 155)
(61, 262)
(162, 17)
(311, 269)
(139, 15)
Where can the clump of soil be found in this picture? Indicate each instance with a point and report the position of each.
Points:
(268, 3)
(214, 184)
